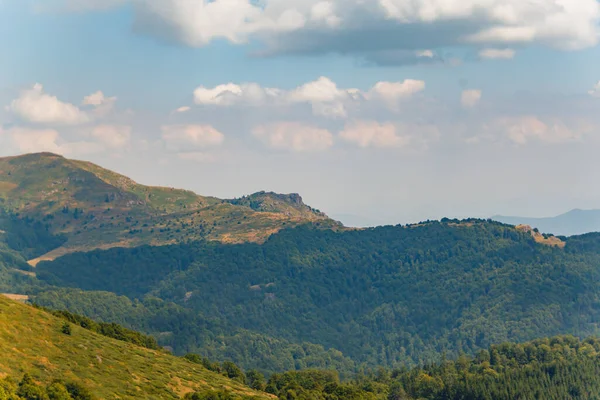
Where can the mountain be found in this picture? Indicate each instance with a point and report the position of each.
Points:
(390, 296)
(96, 208)
(35, 342)
(273, 284)
(574, 222)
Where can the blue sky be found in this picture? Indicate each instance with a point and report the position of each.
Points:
(389, 111)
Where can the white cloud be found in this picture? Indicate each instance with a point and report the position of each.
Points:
(324, 11)
(27, 140)
(112, 136)
(425, 54)
(317, 25)
(183, 109)
(522, 130)
(231, 94)
(595, 91)
(497, 54)
(96, 99)
(294, 136)
(324, 96)
(34, 105)
(392, 92)
(470, 98)
(30, 140)
(102, 105)
(183, 138)
(373, 134)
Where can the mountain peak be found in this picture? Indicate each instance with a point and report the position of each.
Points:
(98, 208)
(289, 204)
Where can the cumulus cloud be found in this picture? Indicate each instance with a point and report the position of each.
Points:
(595, 91)
(470, 98)
(373, 134)
(523, 130)
(183, 138)
(102, 105)
(112, 136)
(392, 92)
(346, 26)
(497, 54)
(324, 96)
(294, 136)
(34, 105)
(27, 140)
(31, 140)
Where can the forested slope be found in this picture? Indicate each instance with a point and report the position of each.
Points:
(382, 296)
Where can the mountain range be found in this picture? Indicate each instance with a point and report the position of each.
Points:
(574, 222)
(276, 285)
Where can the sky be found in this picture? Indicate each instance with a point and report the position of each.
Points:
(375, 111)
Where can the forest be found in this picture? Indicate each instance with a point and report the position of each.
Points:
(393, 296)
(555, 368)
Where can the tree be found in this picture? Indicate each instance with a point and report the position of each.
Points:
(256, 380)
(66, 328)
(58, 391)
(234, 372)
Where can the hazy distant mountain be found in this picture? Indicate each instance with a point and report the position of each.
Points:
(575, 222)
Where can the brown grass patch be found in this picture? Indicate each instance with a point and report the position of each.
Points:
(16, 297)
(6, 187)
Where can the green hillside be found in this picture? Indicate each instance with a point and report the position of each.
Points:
(385, 296)
(97, 208)
(33, 342)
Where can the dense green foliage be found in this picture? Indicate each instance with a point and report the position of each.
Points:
(186, 330)
(20, 240)
(384, 296)
(111, 330)
(28, 389)
(549, 369)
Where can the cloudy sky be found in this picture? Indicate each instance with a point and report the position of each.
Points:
(375, 111)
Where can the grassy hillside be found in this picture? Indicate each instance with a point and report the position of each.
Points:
(32, 341)
(97, 208)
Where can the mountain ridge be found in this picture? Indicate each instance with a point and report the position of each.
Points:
(98, 208)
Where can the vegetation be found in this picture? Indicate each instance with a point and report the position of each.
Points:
(32, 342)
(552, 368)
(111, 330)
(350, 314)
(92, 207)
(386, 296)
(28, 389)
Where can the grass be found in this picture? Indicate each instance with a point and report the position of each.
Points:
(98, 209)
(31, 341)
